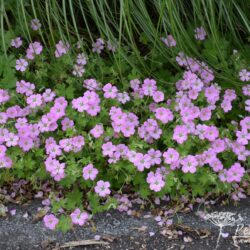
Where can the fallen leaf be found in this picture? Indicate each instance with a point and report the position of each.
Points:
(39, 215)
(201, 233)
(107, 237)
(3, 210)
(140, 229)
(82, 243)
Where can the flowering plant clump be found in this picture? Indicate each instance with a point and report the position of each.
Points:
(93, 138)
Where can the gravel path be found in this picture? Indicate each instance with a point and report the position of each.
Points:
(118, 230)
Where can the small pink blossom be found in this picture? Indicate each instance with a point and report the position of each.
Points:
(244, 75)
(169, 41)
(21, 65)
(78, 217)
(17, 42)
(89, 172)
(102, 188)
(200, 33)
(50, 221)
(35, 24)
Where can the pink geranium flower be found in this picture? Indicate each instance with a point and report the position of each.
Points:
(89, 172)
(244, 75)
(50, 221)
(21, 65)
(102, 188)
(200, 33)
(17, 42)
(171, 156)
(189, 164)
(169, 41)
(35, 24)
(235, 173)
(78, 217)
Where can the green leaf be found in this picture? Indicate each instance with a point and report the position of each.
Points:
(73, 199)
(64, 224)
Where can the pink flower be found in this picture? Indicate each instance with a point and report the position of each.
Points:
(212, 94)
(4, 96)
(55, 168)
(123, 97)
(5, 162)
(149, 87)
(17, 42)
(216, 165)
(164, 115)
(135, 84)
(81, 59)
(108, 149)
(89, 172)
(110, 91)
(23, 87)
(155, 181)
(34, 49)
(150, 131)
(226, 106)
(205, 114)
(98, 46)
(219, 145)
(180, 134)
(211, 133)
(102, 188)
(171, 156)
(91, 84)
(244, 75)
(48, 95)
(243, 137)
(66, 144)
(3, 118)
(61, 49)
(50, 221)
(21, 65)
(235, 173)
(77, 143)
(78, 70)
(158, 96)
(247, 107)
(142, 161)
(245, 123)
(200, 33)
(127, 129)
(34, 100)
(25, 143)
(246, 90)
(169, 41)
(11, 140)
(2, 151)
(230, 95)
(154, 156)
(13, 212)
(189, 164)
(67, 123)
(97, 131)
(35, 24)
(78, 217)
(181, 59)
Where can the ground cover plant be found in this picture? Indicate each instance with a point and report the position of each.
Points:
(85, 127)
